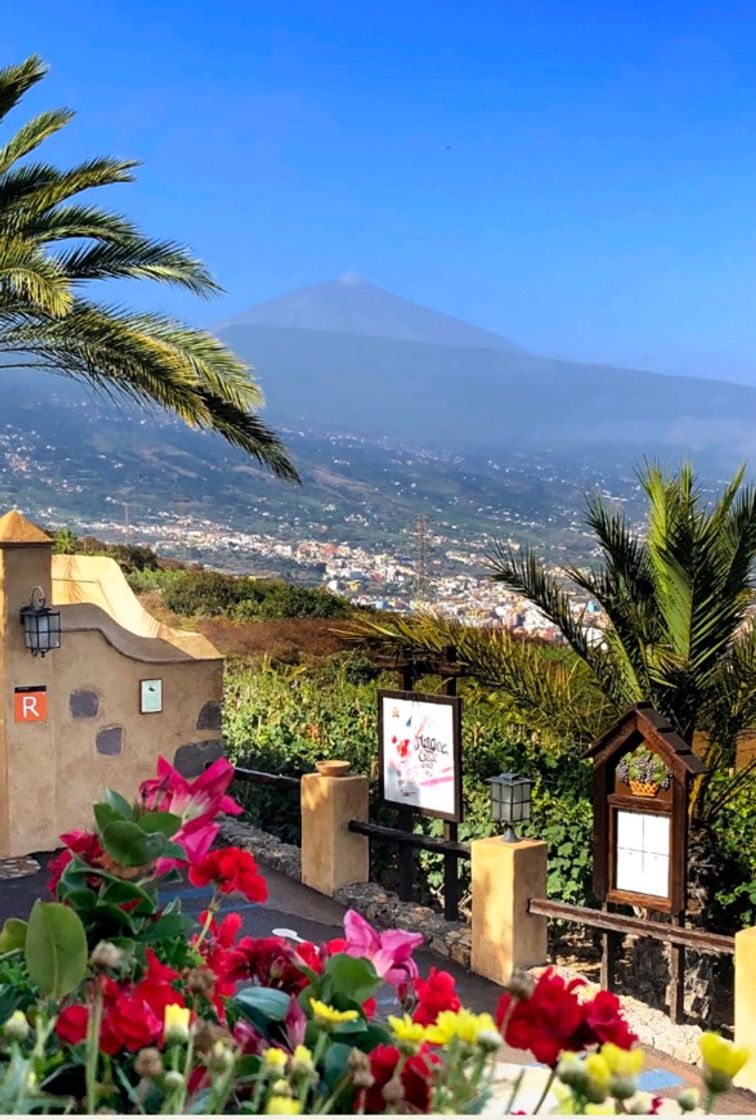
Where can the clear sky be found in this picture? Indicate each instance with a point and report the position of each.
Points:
(578, 176)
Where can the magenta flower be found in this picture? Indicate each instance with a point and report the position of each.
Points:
(197, 802)
(390, 952)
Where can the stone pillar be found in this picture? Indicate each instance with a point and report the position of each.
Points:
(745, 1003)
(504, 936)
(332, 856)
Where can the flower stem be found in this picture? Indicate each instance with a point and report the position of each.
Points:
(93, 1051)
(545, 1093)
(212, 910)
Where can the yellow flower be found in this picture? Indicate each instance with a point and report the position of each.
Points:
(598, 1078)
(464, 1025)
(301, 1061)
(17, 1027)
(274, 1058)
(328, 1017)
(624, 1066)
(283, 1106)
(409, 1035)
(722, 1060)
(176, 1024)
(626, 1063)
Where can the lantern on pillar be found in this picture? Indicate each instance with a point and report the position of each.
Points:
(510, 802)
(41, 624)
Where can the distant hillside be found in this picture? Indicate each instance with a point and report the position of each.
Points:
(352, 357)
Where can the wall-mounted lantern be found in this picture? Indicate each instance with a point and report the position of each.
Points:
(41, 624)
(510, 802)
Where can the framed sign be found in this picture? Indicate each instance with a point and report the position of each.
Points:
(30, 703)
(150, 696)
(420, 753)
(641, 779)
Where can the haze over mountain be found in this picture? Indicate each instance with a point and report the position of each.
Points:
(350, 356)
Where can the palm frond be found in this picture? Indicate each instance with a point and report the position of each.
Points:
(32, 134)
(16, 80)
(138, 258)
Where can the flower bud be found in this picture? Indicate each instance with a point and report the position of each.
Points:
(16, 1029)
(281, 1088)
(173, 1080)
(200, 982)
(176, 1024)
(688, 1099)
(220, 1058)
(393, 1091)
(149, 1063)
(301, 1062)
(106, 955)
(521, 985)
(489, 1041)
(571, 1071)
(598, 1078)
(274, 1059)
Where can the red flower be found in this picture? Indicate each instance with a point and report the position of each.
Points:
(436, 993)
(232, 869)
(602, 1022)
(128, 1023)
(156, 986)
(71, 1024)
(416, 1078)
(274, 963)
(79, 843)
(546, 1023)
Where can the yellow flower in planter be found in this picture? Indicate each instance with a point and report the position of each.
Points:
(176, 1024)
(274, 1058)
(464, 1025)
(722, 1060)
(282, 1106)
(328, 1017)
(408, 1035)
(624, 1066)
(598, 1078)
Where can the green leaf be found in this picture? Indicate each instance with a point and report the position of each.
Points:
(262, 1005)
(56, 948)
(13, 936)
(336, 1063)
(119, 803)
(166, 823)
(130, 846)
(352, 977)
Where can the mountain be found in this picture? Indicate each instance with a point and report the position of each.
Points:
(351, 357)
(353, 307)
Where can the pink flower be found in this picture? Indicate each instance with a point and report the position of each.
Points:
(390, 953)
(196, 802)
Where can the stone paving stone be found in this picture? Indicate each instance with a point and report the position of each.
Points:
(18, 867)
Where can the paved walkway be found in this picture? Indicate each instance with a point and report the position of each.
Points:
(291, 906)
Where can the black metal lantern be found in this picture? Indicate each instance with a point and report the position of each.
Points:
(510, 802)
(41, 624)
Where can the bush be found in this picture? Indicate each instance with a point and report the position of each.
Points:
(284, 720)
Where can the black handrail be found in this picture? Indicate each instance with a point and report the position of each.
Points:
(411, 839)
(260, 777)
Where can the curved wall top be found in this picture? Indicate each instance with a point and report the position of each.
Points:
(98, 581)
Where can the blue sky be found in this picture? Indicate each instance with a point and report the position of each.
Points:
(578, 176)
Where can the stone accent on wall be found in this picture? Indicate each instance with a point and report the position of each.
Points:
(192, 758)
(84, 703)
(209, 718)
(110, 741)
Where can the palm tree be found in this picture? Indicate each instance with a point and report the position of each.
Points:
(52, 245)
(677, 628)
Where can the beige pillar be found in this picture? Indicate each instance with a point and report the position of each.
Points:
(504, 936)
(27, 755)
(332, 856)
(745, 1003)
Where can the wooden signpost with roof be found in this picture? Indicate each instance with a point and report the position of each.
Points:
(641, 792)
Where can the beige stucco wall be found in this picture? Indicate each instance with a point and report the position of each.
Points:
(52, 771)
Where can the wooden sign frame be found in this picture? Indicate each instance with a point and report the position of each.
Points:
(455, 704)
(641, 725)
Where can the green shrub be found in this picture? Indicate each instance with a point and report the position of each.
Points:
(284, 720)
